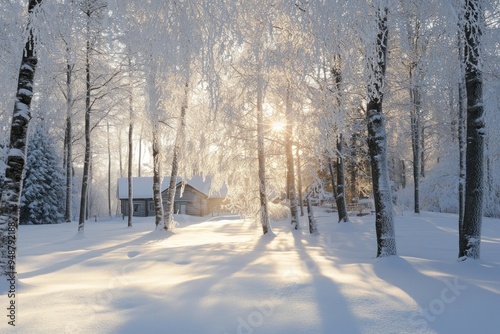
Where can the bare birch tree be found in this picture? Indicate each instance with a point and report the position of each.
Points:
(377, 137)
(474, 178)
(16, 157)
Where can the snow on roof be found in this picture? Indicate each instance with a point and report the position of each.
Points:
(143, 186)
(204, 185)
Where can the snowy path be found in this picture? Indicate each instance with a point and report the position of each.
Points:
(219, 275)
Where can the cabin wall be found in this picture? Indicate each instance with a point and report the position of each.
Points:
(192, 202)
(142, 207)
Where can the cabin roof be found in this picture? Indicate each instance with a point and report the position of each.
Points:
(143, 187)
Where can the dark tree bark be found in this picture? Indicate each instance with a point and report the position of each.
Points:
(130, 147)
(340, 193)
(299, 180)
(109, 171)
(377, 141)
(462, 140)
(332, 178)
(88, 107)
(159, 220)
(474, 179)
(353, 169)
(416, 142)
(415, 73)
(16, 158)
(340, 189)
(179, 141)
(68, 142)
(139, 157)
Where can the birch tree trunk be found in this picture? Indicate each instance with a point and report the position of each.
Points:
(474, 178)
(179, 140)
(290, 172)
(139, 157)
(313, 227)
(264, 211)
(109, 171)
(69, 138)
(340, 193)
(415, 73)
(86, 162)
(16, 157)
(377, 140)
(332, 178)
(416, 141)
(299, 180)
(130, 147)
(462, 140)
(353, 167)
(157, 178)
(154, 95)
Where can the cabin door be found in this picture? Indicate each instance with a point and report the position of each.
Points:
(183, 209)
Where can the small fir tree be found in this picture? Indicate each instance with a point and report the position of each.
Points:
(42, 198)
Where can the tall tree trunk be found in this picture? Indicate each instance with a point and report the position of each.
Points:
(109, 171)
(139, 157)
(474, 179)
(86, 162)
(416, 142)
(264, 211)
(340, 193)
(290, 172)
(377, 141)
(340, 189)
(179, 141)
(422, 149)
(69, 139)
(130, 147)
(415, 77)
(153, 92)
(16, 158)
(353, 167)
(332, 178)
(462, 140)
(299, 180)
(157, 179)
(313, 227)
(120, 153)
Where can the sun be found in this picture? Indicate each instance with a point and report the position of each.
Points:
(279, 126)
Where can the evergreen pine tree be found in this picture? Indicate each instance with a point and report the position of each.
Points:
(42, 198)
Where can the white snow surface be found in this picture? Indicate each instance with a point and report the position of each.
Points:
(220, 275)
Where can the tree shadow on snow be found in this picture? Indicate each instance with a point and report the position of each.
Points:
(210, 300)
(153, 236)
(431, 295)
(333, 307)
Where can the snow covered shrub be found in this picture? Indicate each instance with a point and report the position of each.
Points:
(279, 211)
(492, 199)
(438, 191)
(42, 198)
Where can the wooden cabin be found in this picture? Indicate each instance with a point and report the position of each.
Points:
(191, 196)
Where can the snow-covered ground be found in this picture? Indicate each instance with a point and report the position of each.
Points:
(219, 275)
